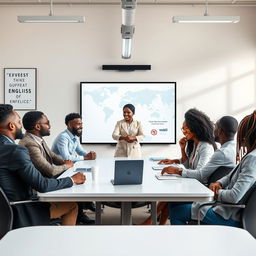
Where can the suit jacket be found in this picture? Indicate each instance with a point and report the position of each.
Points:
(18, 176)
(225, 156)
(199, 156)
(235, 186)
(123, 148)
(47, 162)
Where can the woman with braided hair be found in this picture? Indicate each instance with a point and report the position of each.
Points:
(232, 188)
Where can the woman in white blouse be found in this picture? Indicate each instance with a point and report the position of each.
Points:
(128, 133)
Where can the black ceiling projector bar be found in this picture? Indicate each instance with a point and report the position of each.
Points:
(126, 67)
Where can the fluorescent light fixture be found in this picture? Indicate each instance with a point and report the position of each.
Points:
(51, 19)
(126, 48)
(205, 19)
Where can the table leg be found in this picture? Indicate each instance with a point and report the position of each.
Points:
(153, 213)
(126, 213)
(98, 213)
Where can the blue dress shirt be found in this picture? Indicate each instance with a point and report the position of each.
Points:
(66, 145)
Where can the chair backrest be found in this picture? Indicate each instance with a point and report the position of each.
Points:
(219, 173)
(249, 213)
(6, 214)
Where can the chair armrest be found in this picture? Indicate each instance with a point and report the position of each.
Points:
(34, 199)
(217, 204)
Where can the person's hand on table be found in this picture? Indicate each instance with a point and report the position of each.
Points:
(215, 187)
(171, 170)
(78, 178)
(68, 163)
(90, 156)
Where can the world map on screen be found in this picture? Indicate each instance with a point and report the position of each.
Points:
(102, 106)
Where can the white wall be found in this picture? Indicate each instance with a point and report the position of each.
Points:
(213, 64)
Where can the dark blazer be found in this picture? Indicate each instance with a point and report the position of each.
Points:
(18, 176)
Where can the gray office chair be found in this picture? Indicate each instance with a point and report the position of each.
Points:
(248, 210)
(249, 214)
(219, 173)
(216, 175)
(6, 212)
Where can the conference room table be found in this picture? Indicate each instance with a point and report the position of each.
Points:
(128, 240)
(151, 189)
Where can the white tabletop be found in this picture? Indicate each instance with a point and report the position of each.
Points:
(128, 240)
(152, 189)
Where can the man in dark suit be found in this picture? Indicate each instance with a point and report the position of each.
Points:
(18, 176)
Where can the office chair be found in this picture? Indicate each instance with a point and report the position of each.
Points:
(249, 214)
(6, 212)
(216, 175)
(248, 210)
(219, 173)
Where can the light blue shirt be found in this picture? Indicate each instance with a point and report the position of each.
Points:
(68, 147)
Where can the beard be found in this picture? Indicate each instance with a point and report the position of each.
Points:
(77, 132)
(44, 132)
(18, 134)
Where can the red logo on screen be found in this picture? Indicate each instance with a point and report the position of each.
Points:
(154, 132)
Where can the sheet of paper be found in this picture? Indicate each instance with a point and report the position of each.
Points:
(162, 166)
(157, 158)
(166, 177)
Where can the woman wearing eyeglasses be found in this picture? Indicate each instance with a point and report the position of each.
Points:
(197, 146)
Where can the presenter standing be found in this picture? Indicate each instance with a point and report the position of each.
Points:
(128, 133)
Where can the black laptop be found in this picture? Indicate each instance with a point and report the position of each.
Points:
(128, 172)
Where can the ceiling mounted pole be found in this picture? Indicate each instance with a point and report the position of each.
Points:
(128, 26)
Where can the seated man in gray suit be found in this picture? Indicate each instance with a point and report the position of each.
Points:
(232, 188)
(18, 176)
(225, 130)
(48, 163)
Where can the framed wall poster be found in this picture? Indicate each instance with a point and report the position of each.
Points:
(20, 88)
